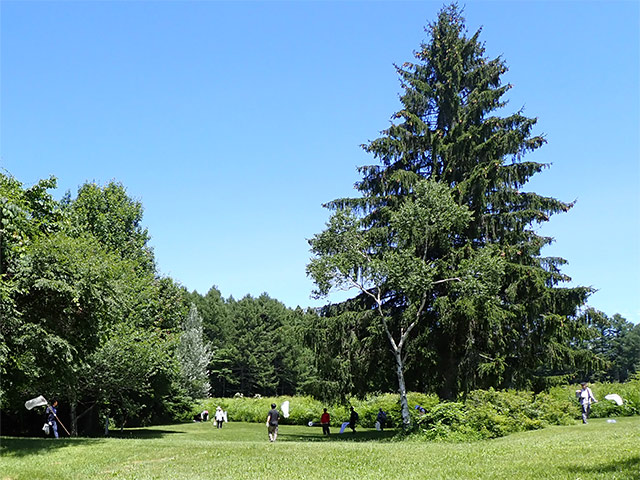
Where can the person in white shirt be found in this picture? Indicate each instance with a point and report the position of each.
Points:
(219, 417)
(585, 396)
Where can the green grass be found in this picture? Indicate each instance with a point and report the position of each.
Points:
(599, 450)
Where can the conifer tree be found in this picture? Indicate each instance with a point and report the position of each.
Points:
(449, 131)
(194, 355)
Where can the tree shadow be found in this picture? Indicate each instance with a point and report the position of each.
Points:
(628, 469)
(140, 433)
(359, 436)
(22, 447)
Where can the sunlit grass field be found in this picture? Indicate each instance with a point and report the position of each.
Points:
(599, 450)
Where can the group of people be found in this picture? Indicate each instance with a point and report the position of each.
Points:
(584, 396)
(218, 418)
(273, 418)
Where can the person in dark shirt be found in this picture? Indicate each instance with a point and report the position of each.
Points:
(52, 417)
(353, 418)
(381, 419)
(272, 423)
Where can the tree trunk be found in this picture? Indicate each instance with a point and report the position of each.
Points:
(449, 389)
(74, 417)
(404, 403)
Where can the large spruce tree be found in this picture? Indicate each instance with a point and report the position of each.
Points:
(507, 329)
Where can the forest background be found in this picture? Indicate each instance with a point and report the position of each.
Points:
(87, 316)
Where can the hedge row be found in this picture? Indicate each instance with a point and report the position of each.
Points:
(481, 414)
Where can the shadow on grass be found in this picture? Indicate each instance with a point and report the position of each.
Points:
(314, 436)
(140, 433)
(22, 447)
(628, 469)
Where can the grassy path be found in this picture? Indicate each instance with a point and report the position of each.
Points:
(599, 450)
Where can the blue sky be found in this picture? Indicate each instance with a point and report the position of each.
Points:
(234, 122)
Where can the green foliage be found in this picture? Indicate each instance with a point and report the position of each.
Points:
(132, 374)
(629, 391)
(84, 317)
(507, 321)
(615, 341)
(481, 414)
(194, 355)
(257, 345)
(114, 218)
(491, 414)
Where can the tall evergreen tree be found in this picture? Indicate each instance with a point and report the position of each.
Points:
(194, 355)
(449, 131)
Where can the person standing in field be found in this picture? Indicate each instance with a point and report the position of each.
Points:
(353, 419)
(325, 420)
(52, 411)
(219, 416)
(272, 423)
(381, 419)
(585, 396)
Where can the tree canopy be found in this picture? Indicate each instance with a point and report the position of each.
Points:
(510, 317)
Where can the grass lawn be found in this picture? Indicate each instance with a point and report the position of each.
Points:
(599, 450)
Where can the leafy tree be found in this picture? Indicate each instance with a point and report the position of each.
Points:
(73, 277)
(26, 214)
(133, 374)
(616, 342)
(350, 353)
(114, 218)
(513, 325)
(399, 281)
(70, 291)
(194, 355)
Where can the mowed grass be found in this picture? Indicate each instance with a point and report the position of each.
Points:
(599, 450)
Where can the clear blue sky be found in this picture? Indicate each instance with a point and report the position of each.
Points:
(234, 122)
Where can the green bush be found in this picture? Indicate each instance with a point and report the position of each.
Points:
(481, 414)
(629, 391)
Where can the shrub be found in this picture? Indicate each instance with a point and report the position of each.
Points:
(482, 414)
(629, 391)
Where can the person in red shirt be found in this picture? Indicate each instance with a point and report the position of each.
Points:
(325, 419)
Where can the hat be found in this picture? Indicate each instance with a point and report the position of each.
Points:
(583, 383)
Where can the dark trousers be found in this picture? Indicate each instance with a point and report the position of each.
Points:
(325, 429)
(219, 422)
(586, 409)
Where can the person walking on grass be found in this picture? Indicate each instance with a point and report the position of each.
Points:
(219, 416)
(52, 417)
(272, 423)
(325, 420)
(585, 396)
(353, 419)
